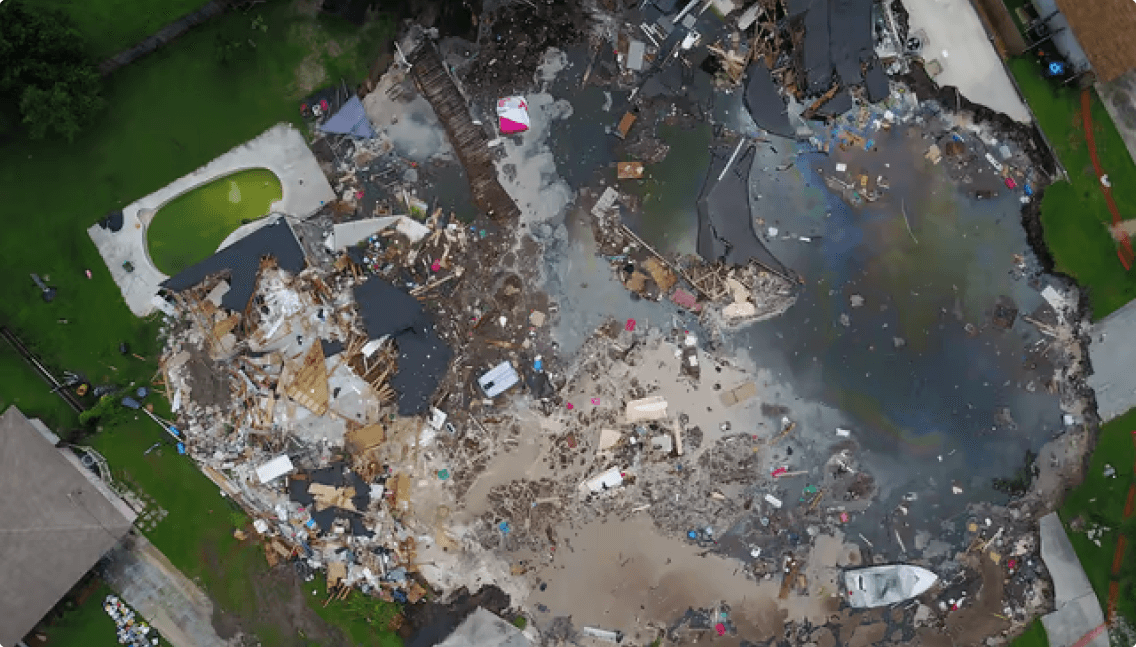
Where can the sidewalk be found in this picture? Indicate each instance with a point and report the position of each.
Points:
(168, 600)
(1078, 611)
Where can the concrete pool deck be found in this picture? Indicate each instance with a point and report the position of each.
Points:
(281, 149)
(957, 39)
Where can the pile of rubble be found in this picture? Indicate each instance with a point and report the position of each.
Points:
(727, 295)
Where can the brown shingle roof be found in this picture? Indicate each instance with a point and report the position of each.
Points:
(55, 524)
(1106, 30)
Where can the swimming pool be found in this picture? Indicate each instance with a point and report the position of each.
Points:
(190, 227)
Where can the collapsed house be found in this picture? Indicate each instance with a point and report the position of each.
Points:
(289, 373)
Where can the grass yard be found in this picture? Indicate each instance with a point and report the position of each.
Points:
(1032, 637)
(190, 227)
(114, 25)
(1074, 214)
(169, 113)
(87, 625)
(1100, 500)
(364, 619)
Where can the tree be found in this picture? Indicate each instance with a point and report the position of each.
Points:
(45, 69)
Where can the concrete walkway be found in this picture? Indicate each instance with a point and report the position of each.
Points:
(167, 599)
(1119, 97)
(1078, 609)
(957, 39)
(281, 149)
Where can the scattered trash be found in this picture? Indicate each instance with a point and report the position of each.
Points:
(1109, 471)
(773, 501)
(843, 433)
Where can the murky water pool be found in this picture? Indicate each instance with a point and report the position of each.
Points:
(926, 398)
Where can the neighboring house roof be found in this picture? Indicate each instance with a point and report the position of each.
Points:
(1104, 29)
(56, 520)
(483, 629)
(351, 119)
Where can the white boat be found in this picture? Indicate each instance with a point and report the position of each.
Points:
(879, 586)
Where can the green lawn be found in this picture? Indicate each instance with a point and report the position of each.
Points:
(1033, 637)
(1074, 214)
(169, 113)
(86, 625)
(1100, 500)
(364, 619)
(114, 25)
(191, 226)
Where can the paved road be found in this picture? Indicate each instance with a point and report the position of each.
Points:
(171, 602)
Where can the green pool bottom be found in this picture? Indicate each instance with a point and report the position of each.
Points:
(189, 228)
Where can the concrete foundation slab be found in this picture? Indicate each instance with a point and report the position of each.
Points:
(1119, 97)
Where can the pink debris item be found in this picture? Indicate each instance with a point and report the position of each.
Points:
(435, 266)
(358, 195)
(720, 628)
(596, 401)
(570, 406)
(513, 115)
(88, 272)
(843, 517)
(630, 326)
(779, 471)
(684, 299)
(1010, 183)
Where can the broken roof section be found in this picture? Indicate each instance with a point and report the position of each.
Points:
(242, 261)
(422, 356)
(764, 102)
(350, 120)
(386, 310)
(56, 518)
(838, 38)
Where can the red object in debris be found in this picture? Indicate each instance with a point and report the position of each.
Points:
(686, 300)
(1010, 183)
(324, 104)
(435, 266)
(596, 401)
(843, 517)
(631, 326)
(720, 628)
(570, 406)
(358, 195)
(1012, 563)
(779, 471)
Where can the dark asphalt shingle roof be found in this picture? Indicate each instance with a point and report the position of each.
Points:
(242, 261)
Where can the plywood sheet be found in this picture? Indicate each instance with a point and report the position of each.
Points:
(309, 385)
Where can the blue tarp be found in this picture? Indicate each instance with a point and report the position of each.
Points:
(350, 120)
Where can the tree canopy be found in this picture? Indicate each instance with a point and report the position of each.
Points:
(45, 69)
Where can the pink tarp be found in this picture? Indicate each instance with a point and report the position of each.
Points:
(513, 115)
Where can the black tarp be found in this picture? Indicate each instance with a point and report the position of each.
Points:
(242, 261)
(850, 33)
(763, 101)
